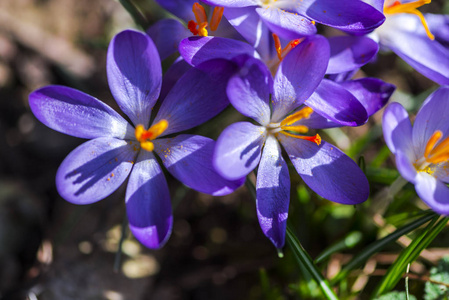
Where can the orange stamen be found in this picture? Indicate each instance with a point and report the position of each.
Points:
(277, 45)
(199, 12)
(216, 17)
(410, 8)
(283, 52)
(201, 20)
(437, 153)
(146, 136)
(286, 125)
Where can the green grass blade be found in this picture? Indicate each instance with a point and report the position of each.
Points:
(375, 247)
(303, 258)
(351, 240)
(409, 254)
(137, 16)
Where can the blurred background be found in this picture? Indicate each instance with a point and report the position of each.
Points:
(51, 249)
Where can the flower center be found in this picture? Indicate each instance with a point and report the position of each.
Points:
(199, 27)
(411, 8)
(146, 136)
(288, 128)
(433, 153)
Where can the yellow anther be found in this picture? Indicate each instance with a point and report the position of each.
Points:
(300, 114)
(146, 136)
(411, 8)
(147, 145)
(297, 129)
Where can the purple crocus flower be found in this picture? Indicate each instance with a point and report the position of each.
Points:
(422, 151)
(314, 54)
(119, 150)
(421, 41)
(292, 18)
(167, 33)
(273, 104)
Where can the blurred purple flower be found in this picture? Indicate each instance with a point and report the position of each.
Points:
(274, 104)
(118, 150)
(422, 151)
(291, 19)
(421, 41)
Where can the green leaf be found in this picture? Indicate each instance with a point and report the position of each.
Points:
(410, 254)
(439, 274)
(396, 296)
(375, 247)
(303, 258)
(135, 13)
(381, 175)
(352, 239)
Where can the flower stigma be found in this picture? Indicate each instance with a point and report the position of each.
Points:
(433, 153)
(199, 27)
(411, 8)
(288, 128)
(146, 136)
(282, 52)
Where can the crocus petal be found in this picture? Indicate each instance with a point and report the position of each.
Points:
(199, 95)
(238, 149)
(166, 35)
(355, 17)
(249, 90)
(180, 8)
(431, 117)
(299, 73)
(75, 113)
(232, 3)
(317, 121)
(372, 93)
(273, 193)
(428, 57)
(94, 170)
(286, 24)
(433, 192)
(327, 171)
(397, 129)
(377, 4)
(248, 23)
(134, 74)
(335, 103)
(196, 50)
(350, 52)
(405, 166)
(148, 202)
(189, 159)
(172, 75)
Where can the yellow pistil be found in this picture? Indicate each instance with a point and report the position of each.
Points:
(146, 136)
(411, 8)
(201, 20)
(282, 52)
(286, 125)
